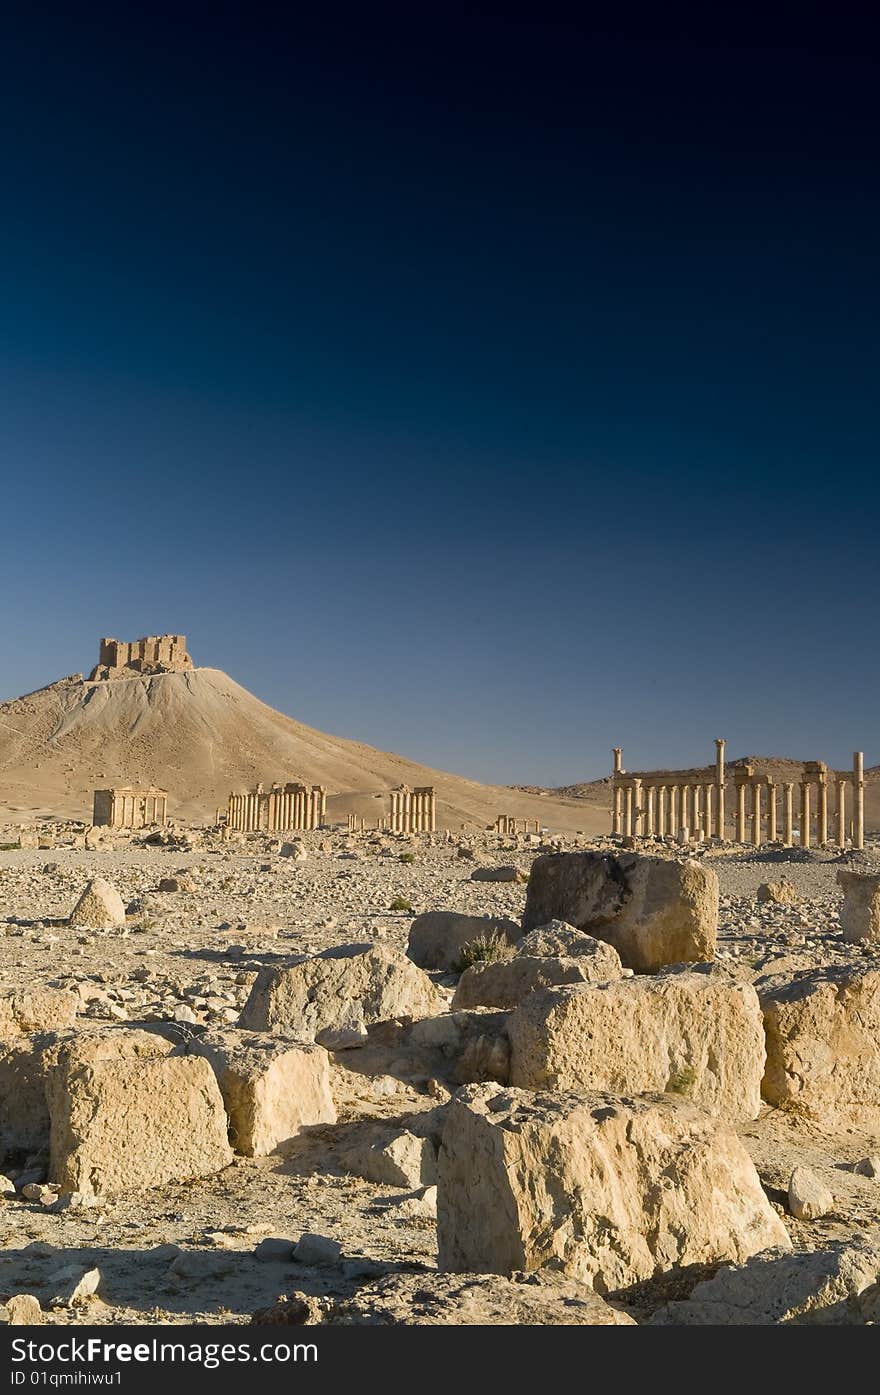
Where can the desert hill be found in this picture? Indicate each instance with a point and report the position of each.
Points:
(199, 734)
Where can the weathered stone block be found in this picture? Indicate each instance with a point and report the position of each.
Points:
(860, 911)
(696, 1035)
(653, 910)
(332, 997)
(36, 1010)
(272, 1087)
(121, 1124)
(823, 1045)
(610, 1190)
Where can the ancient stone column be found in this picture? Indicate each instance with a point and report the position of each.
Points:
(805, 813)
(841, 813)
(432, 811)
(650, 798)
(672, 818)
(719, 787)
(822, 813)
(756, 814)
(708, 792)
(628, 810)
(858, 799)
(695, 811)
(741, 813)
(661, 811)
(771, 812)
(616, 809)
(639, 812)
(788, 833)
(617, 753)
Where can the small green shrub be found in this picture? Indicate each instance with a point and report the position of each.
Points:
(487, 949)
(407, 857)
(400, 903)
(683, 1081)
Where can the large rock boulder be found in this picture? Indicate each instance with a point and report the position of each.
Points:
(27, 1061)
(777, 1288)
(860, 911)
(36, 1010)
(436, 938)
(503, 983)
(608, 1189)
(558, 938)
(332, 997)
(696, 1035)
(654, 911)
(125, 1123)
(822, 1031)
(486, 1300)
(272, 1087)
(100, 907)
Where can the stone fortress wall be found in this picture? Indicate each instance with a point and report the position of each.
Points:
(154, 654)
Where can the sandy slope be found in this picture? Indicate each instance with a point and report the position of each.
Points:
(199, 735)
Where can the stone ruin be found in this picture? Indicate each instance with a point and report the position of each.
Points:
(412, 811)
(130, 808)
(689, 804)
(281, 809)
(154, 654)
(508, 826)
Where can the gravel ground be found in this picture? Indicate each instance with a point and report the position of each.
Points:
(190, 956)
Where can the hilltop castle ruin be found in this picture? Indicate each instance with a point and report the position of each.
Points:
(154, 654)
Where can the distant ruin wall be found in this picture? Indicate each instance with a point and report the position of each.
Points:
(154, 654)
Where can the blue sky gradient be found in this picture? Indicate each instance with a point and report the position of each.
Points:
(491, 390)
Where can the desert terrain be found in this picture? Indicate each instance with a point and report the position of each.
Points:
(356, 1076)
(184, 960)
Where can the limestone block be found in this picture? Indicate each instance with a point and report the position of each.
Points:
(610, 1190)
(653, 910)
(437, 937)
(464, 1300)
(333, 996)
(36, 1010)
(403, 1160)
(118, 1125)
(26, 1062)
(781, 893)
(100, 907)
(822, 1031)
(559, 938)
(272, 1087)
(696, 1035)
(860, 911)
(818, 1289)
(808, 1197)
(505, 983)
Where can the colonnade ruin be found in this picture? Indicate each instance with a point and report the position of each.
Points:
(280, 809)
(690, 804)
(509, 827)
(413, 810)
(126, 807)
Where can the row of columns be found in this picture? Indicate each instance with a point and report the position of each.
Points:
(654, 806)
(288, 807)
(509, 827)
(848, 827)
(413, 811)
(659, 806)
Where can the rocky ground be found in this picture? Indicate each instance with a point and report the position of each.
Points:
(187, 956)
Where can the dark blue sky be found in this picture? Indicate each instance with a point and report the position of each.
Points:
(490, 390)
